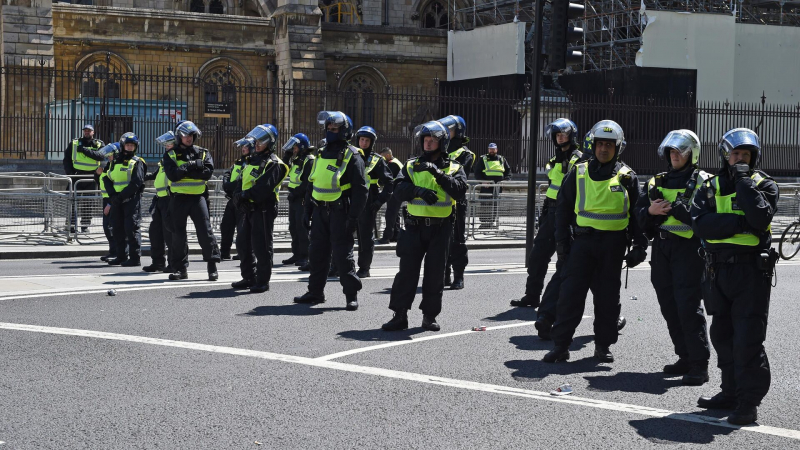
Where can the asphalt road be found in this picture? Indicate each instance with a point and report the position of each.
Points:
(196, 365)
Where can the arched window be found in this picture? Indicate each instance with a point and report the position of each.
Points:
(359, 99)
(220, 86)
(197, 6)
(216, 7)
(435, 16)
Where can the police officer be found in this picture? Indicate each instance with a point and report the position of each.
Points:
(491, 167)
(677, 267)
(81, 157)
(337, 195)
(732, 213)
(160, 230)
(257, 196)
(431, 184)
(188, 168)
(381, 186)
(564, 135)
(301, 159)
(392, 217)
(111, 151)
(231, 217)
(593, 227)
(458, 257)
(124, 184)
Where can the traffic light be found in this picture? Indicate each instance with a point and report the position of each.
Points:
(561, 34)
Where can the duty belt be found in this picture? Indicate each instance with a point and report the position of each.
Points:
(550, 202)
(583, 231)
(666, 235)
(337, 202)
(426, 221)
(713, 258)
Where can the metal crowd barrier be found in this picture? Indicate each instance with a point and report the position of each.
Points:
(34, 206)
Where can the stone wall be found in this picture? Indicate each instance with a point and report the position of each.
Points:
(28, 31)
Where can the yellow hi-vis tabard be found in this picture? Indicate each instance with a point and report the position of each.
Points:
(296, 171)
(493, 168)
(252, 173)
(556, 172)
(103, 190)
(81, 161)
(187, 185)
(444, 204)
(325, 176)
(371, 163)
(726, 204)
(672, 224)
(602, 205)
(161, 183)
(120, 174)
(454, 155)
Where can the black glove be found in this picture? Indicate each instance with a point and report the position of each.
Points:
(307, 219)
(351, 225)
(81, 149)
(116, 201)
(635, 256)
(740, 171)
(424, 166)
(198, 163)
(376, 205)
(429, 196)
(562, 250)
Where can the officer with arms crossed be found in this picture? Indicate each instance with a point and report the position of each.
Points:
(257, 196)
(82, 157)
(493, 168)
(301, 157)
(593, 227)
(378, 176)
(125, 183)
(458, 257)
(732, 213)
(337, 195)
(431, 184)
(188, 168)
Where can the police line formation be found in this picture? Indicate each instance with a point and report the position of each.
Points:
(711, 232)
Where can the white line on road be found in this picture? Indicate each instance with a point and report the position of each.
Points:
(409, 376)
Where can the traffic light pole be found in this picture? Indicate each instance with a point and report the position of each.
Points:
(533, 131)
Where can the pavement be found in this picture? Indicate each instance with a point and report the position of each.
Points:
(195, 364)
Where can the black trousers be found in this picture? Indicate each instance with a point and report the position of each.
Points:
(458, 257)
(489, 206)
(108, 229)
(329, 237)
(548, 305)
(297, 230)
(366, 242)
(227, 228)
(160, 231)
(183, 207)
(676, 274)
(126, 218)
(392, 219)
(595, 262)
(415, 244)
(255, 243)
(738, 299)
(544, 246)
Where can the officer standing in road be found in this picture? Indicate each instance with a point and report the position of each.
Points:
(381, 186)
(677, 267)
(431, 184)
(593, 227)
(160, 230)
(301, 160)
(458, 257)
(564, 135)
(188, 168)
(231, 217)
(337, 195)
(392, 217)
(101, 174)
(257, 196)
(81, 157)
(491, 168)
(732, 213)
(125, 183)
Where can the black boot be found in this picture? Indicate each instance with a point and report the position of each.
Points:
(154, 268)
(696, 376)
(744, 414)
(301, 262)
(291, 260)
(543, 327)
(681, 367)
(382, 241)
(558, 353)
(719, 401)
(332, 272)
(133, 262)
(259, 287)
(212, 271)
(458, 280)
(108, 257)
(363, 273)
(603, 353)
(526, 300)
(352, 302)
(430, 324)
(305, 267)
(310, 298)
(621, 323)
(225, 256)
(235, 257)
(398, 322)
(178, 275)
(242, 284)
(117, 261)
(447, 280)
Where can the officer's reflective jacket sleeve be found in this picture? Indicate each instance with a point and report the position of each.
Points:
(707, 223)
(95, 154)
(403, 186)
(137, 181)
(759, 203)
(565, 207)
(386, 179)
(359, 190)
(647, 223)
(227, 185)
(263, 191)
(171, 169)
(455, 185)
(635, 230)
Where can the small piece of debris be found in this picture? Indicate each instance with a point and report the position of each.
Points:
(564, 389)
(112, 292)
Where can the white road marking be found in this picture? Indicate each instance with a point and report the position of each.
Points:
(418, 340)
(409, 376)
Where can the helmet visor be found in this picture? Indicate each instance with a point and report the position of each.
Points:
(740, 137)
(188, 128)
(110, 149)
(677, 140)
(166, 140)
(246, 141)
(332, 117)
(289, 145)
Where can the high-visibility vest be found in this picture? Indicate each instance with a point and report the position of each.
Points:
(325, 176)
(81, 161)
(236, 171)
(371, 163)
(120, 174)
(454, 155)
(672, 224)
(161, 183)
(103, 190)
(296, 171)
(397, 163)
(444, 204)
(726, 204)
(493, 168)
(556, 172)
(251, 173)
(602, 205)
(187, 185)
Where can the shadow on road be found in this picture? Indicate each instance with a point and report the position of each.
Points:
(646, 383)
(533, 370)
(388, 290)
(218, 293)
(526, 314)
(662, 430)
(378, 335)
(288, 310)
(532, 342)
